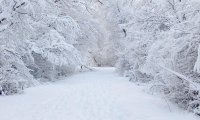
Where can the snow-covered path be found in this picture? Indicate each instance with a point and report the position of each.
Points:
(99, 95)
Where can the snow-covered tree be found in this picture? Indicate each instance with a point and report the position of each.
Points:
(42, 40)
(161, 48)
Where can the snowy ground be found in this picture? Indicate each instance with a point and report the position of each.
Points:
(99, 95)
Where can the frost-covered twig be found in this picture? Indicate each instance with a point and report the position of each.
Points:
(167, 104)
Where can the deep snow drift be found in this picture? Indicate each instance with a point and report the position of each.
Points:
(98, 95)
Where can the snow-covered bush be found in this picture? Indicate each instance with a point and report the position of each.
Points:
(14, 75)
(54, 57)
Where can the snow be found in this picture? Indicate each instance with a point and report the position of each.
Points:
(97, 95)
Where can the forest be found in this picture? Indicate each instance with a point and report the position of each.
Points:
(154, 43)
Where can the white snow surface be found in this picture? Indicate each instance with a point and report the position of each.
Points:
(97, 95)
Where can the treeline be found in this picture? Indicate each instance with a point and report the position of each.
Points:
(161, 47)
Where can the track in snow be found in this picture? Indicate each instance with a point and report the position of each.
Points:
(99, 95)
